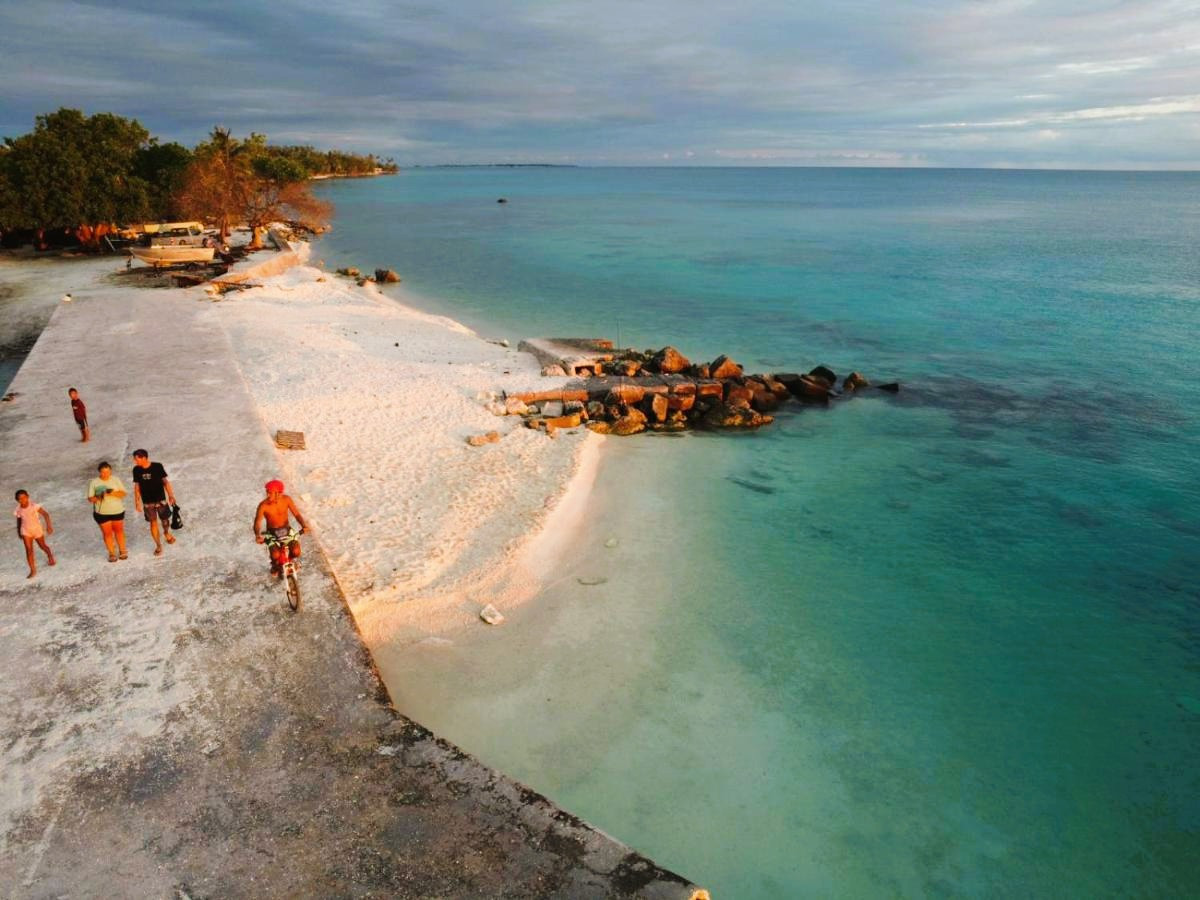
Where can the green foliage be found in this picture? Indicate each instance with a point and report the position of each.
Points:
(74, 169)
(162, 167)
(333, 162)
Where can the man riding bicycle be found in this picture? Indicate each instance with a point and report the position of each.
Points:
(275, 509)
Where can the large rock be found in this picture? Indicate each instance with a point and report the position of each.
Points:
(699, 370)
(386, 276)
(553, 371)
(737, 393)
(725, 415)
(658, 407)
(715, 389)
(595, 410)
(625, 393)
(764, 401)
(825, 375)
(854, 381)
(790, 380)
(552, 408)
(681, 402)
(724, 367)
(776, 387)
(669, 360)
(599, 427)
(626, 367)
(630, 423)
(812, 390)
(515, 406)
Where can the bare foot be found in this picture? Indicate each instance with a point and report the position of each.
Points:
(50, 559)
(169, 538)
(32, 572)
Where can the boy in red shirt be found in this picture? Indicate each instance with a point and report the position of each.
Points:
(80, 412)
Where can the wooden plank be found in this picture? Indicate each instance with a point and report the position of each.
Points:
(289, 440)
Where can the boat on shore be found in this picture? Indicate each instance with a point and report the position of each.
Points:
(175, 243)
(171, 256)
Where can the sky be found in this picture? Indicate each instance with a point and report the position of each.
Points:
(988, 83)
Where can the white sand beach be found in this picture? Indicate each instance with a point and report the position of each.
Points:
(422, 530)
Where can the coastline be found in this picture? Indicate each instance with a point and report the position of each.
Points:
(157, 708)
(376, 384)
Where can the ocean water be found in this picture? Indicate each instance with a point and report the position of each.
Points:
(942, 643)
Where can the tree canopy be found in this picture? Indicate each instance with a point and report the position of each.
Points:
(75, 170)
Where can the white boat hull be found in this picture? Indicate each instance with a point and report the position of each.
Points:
(170, 256)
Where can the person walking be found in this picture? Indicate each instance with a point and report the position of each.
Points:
(79, 411)
(107, 494)
(153, 496)
(29, 527)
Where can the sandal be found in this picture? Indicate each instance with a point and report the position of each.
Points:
(158, 551)
(112, 557)
(124, 556)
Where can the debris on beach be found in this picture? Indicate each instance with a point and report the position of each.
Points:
(478, 440)
(625, 392)
(491, 615)
(289, 440)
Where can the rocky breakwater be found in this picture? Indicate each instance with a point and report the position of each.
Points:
(661, 390)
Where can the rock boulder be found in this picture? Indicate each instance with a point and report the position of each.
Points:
(724, 367)
(669, 360)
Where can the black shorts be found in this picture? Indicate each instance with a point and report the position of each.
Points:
(162, 510)
(101, 519)
(82, 423)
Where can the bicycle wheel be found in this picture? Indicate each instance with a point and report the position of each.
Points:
(293, 587)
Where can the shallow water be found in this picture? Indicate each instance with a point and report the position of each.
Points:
(942, 643)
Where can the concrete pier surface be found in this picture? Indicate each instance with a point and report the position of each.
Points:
(168, 727)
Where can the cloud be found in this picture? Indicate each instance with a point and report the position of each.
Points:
(629, 81)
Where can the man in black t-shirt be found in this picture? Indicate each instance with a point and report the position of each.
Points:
(153, 495)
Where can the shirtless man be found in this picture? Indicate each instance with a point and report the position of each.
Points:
(276, 509)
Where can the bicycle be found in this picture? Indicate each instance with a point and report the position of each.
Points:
(281, 556)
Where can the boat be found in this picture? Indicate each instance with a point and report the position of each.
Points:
(173, 256)
(174, 243)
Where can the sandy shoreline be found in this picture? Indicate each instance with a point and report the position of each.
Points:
(422, 530)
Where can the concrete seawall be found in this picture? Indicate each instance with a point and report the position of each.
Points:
(169, 727)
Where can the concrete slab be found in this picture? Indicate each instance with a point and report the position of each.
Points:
(168, 728)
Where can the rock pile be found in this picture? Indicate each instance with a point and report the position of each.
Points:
(663, 391)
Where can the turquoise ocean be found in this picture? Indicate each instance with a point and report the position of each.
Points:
(942, 643)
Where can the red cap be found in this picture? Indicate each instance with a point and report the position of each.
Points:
(274, 486)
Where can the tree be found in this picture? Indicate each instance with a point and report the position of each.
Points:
(163, 168)
(231, 180)
(215, 182)
(73, 170)
(279, 190)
